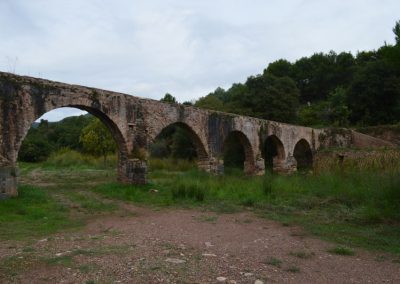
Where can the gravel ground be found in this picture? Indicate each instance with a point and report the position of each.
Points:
(143, 245)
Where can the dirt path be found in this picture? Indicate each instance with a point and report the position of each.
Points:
(141, 245)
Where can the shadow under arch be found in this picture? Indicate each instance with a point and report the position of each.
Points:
(303, 155)
(237, 151)
(273, 153)
(106, 120)
(200, 150)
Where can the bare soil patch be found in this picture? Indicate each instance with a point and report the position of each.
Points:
(143, 245)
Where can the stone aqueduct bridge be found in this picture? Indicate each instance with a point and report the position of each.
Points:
(135, 123)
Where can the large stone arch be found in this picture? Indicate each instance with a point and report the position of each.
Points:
(103, 117)
(23, 100)
(26, 101)
(303, 154)
(249, 161)
(201, 151)
(274, 154)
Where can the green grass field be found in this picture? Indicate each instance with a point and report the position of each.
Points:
(33, 213)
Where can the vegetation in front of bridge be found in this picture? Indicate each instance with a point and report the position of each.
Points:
(353, 208)
(34, 213)
(55, 199)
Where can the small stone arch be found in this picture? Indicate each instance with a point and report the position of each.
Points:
(201, 152)
(248, 154)
(303, 155)
(274, 154)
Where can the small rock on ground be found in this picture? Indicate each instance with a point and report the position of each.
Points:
(209, 255)
(175, 260)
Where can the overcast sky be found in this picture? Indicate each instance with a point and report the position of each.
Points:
(186, 48)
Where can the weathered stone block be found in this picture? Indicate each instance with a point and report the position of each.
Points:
(136, 172)
(8, 181)
(260, 167)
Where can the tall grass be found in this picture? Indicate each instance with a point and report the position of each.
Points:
(386, 160)
(375, 197)
(67, 158)
(170, 164)
(368, 198)
(358, 208)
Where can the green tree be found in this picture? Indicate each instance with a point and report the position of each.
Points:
(314, 114)
(210, 102)
(333, 111)
(396, 31)
(36, 146)
(187, 103)
(97, 140)
(364, 57)
(338, 110)
(320, 74)
(272, 98)
(36, 149)
(168, 98)
(238, 100)
(374, 95)
(280, 68)
(66, 133)
(220, 94)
